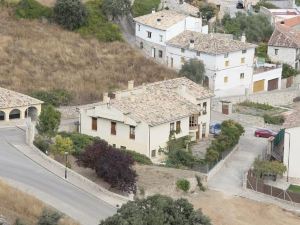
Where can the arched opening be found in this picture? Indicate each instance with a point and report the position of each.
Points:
(15, 114)
(206, 81)
(32, 112)
(2, 115)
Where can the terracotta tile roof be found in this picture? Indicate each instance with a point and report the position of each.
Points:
(162, 19)
(209, 43)
(12, 99)
(284, 36)
(160, 102)
(292, 21)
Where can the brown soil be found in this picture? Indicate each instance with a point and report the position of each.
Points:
(38, 56)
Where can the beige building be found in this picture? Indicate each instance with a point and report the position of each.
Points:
(142, 118)
(15, 106)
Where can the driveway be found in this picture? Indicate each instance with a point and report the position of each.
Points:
(32, 178)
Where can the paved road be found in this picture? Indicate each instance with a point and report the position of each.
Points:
(29, 176)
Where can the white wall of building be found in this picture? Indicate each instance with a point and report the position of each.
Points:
(269, 75)
(292, 152)
(141, 31)
(284, 55)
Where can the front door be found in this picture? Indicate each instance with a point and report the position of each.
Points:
(273, 84)
(225, 108)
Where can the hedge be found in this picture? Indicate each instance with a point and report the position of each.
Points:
(183, 185)
(139, 158)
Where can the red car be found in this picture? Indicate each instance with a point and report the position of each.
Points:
(265, 133)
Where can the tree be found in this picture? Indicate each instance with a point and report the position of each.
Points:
(207, 11)
(49, 217)
(48, 121)
(71, 14)
(158, 210)
(194, 70)
(62, 145)
(116, 8)
(262, 167)
(31, 9)
(288, 71)
(103, 157)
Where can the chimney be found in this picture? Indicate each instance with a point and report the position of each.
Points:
(158, 21)
(192, 43)
(130, 84)
(243, 38)
(106, 99)
(153, 11)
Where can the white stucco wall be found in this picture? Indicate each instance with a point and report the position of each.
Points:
(285, 55)
(269, 75)
(292, 152)
(141, 32)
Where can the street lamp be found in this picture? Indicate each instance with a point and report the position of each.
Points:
(66, 168)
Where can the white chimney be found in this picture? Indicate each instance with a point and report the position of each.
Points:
(243, 38)
(192, 43)
(106, 99)
(158, 21)
(130, 84)
(153, 11)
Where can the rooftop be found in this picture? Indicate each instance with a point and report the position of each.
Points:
(162, 19)
(12, 99)
(209, 43)
(161, 102)
(185, 8)
(284, 36)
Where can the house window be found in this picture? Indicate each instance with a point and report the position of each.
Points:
(94, 123)
(242, 76)
(141, 45)
(149, 34)
(132, 132)
(242, 60)
(182, 50)
(276, 51)
(226, 63)
(153, 153)
(204, 108)
(225, 79)
(123, 147)
(160, 53)
(172, 127)
(198, 53)
(226, 55)
(139, 27)
(113, 129)
(160, 38)
(178, 127)
(193, 121)
(244, 51)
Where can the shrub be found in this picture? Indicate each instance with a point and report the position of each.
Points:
(49, 217)
(143, 7)
(194, 70)
(207, 10)
(277, 119)
(180, 158)
(56, 97)
(103, 157)
(62, 145)
(256, 105)
(183, 185)
(116, 8)
(31, 9)
(139, 158)
(262, 51)
(288, 71)
(42, 143)
(17, 222)
(48, 121)
(97, 24)
(70, 14)
(262, 167)
(158, 210)
(80, 141)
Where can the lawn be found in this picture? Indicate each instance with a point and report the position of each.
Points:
(142, 7)
(294, 188)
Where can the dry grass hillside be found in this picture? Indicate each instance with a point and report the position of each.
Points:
(14, 204)
(40, 56)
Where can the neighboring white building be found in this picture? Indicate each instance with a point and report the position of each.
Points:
(155, 29)
(142, 118)
(277, 15)
(228, 63)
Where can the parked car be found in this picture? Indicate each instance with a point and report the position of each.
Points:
(265, 133)
(215, 128)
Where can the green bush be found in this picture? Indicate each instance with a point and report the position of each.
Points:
(139, 158)
(262, 51)
(70, 14)
(31, 9)
(288, 71)
(262, 167)
(49, 217)
(56, 97)
(42, 143)
(97, 24)
(277, 119)
(80, 141)
(183, 185)
(180, 158)
(256, 105)
(194, 70)
(143, 7)
(19, 222)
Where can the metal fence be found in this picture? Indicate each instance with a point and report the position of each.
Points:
(257, 184)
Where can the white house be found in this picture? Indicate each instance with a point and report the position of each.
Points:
(284, 44)
(277, 15)
(228, 63)
(155, 29)
(141, 118)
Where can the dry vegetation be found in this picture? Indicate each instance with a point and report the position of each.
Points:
(40, 56)
(14, 204)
